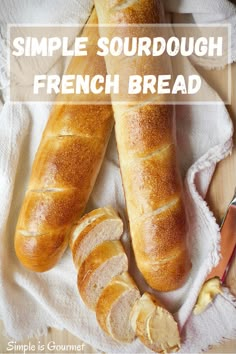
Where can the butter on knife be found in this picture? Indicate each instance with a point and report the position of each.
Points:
(212, 286)
(209, 290)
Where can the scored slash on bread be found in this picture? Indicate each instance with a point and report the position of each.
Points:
(65, 167)
(114, 308)
(166, 259)
(145, 136)
(98, 226)
(154, 325)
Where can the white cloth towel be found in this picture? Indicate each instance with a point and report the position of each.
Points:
(31, 302)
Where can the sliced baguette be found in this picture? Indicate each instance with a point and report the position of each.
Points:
(154, 325)
(106, 287)
(114, 308)
(94, 228)
(105, 262)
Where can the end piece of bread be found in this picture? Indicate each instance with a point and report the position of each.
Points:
(94, 228)
(114, 308)
(154, 325)
(105, 262)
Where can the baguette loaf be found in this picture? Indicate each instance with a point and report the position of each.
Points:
(64, 170)
(147, 153)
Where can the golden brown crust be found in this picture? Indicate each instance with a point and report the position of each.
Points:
(171, 223)
(42, 252)
(145, 140)
(168, 262)
(167, 275)
(151, 182)
(43, 212)
(64, 170)
(74, 121)
(66, 162)
(142, 11)
(145, 129)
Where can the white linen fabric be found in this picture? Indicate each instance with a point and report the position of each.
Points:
(31, 302)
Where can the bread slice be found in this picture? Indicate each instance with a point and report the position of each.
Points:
(105, 262)
(94, 228)
(114, 308)
(154, 325)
